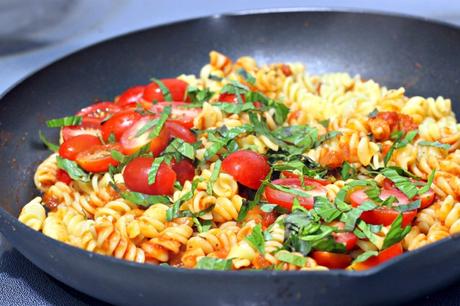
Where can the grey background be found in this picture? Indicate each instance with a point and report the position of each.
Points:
(34, 33)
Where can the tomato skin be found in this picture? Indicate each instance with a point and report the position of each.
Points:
(179, 131)
(130, 143)
(247, 168)
(119, 123)
(426, 199)
(97, 158)
(290, 174)
(185, 171)
(70, 148)
(230, 98)
(347, 238)
(136, 177)
(99, 111)
(179, 113)
(285, 199)
(88, 126)
(385, 255)
(268, 219)
(176, 87)
(132, 95)
(62, 176)
(331, 260)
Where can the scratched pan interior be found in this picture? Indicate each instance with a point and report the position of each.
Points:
(393, 50)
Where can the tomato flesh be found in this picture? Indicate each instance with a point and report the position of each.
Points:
(88, 126)
(130, 143)
(346, 238)
(118, 124)
(177, 89)
(285, 199)
(179, 131)
(136, 172)
(72, 147)
(99, 111)
(383, 256)
(290, 174)
(97, 158)
(62, 176)
(132, 95)
(230, 98)
(185, 171)
(180, 114)
(331, 260)
(247, 168)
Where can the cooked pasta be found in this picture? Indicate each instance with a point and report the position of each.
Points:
(248, 166)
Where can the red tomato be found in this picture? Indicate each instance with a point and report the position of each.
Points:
(285, 199)
(136, 177)
(347, 238)
(185, 171)
(331, 260)
(99, 111)
(179, 113)
(290, 174)
(62, 176)
(88, 126)
(130, 143)
(426, 199)
(132, 95)
(247, 167)
(230, 98)
(119, 123)
(383, 256)
(97, 158)
(179, 131)
(177, 88)
(268, 219)
(70, 148)
(383, 215)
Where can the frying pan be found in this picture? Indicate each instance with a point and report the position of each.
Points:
(393, 50)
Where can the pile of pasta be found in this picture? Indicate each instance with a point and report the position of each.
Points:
(363, 137)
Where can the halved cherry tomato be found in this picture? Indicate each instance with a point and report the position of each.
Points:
(268, 219)
(383, 256)
(180, 113)
(70, 148)
(383, 215)
(426, 199)
(185, 171)
(131, 143)
(132, 95)
(99, 111)
(285, 199)
(176, 87)
(247, 168)
(119, 123)
(62, 176)
(136, 177)
(347, 238)
(230, 98)
(88, 126)
(97, 158)
(179, 131)
(290, 174)
(331, 260)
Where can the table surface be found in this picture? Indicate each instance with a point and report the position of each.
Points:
(74, 24)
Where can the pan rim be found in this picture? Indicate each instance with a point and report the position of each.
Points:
(182, 271)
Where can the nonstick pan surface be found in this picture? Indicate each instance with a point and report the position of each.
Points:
(395, 51)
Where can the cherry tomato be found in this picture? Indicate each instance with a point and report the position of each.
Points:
(383, 215)
(119, 123)
(179, 131)
(247, 167)
(179, 113)
(136, 177)
(99, 111)
(88, 126)
(290, 174)
(383, 256)
(176, 87)
(285, 199)
(97, 158)
(70, 148)
(331, 260)
(426, 199)
(130, 143)
(185, 171)
(268, 219)
(132, 95)
(230, 98)
(62, 176)
(347, 238)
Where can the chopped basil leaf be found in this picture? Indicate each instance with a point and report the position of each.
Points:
(407, 207)
(215, 77)
(373, 114)
(117, 155)
(365, 256)
(164, 90)
(211, 263)
(51, 146)
(325, 122)
(111, 138)
(234, 87)
(251, 204)
(402, 183)
(234, 108)
(172, 212)
(65, 121)
(398, 143)
(247, 76)
(199, 95)
(72, 169)
(147, 127)
(152, 175)
(268, 208)
(435, 144)
(428, 184)
(214, 176)
(256, 239)
(144, 200)
(294, 191)
(177, 145)
(396, 232)
(347, 171)
(327, 211)
(365, 228)
(293, 259)
(203, 225)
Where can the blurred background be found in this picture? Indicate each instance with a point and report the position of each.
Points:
(34, 33)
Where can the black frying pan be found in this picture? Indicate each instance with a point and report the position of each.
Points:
(423, 56)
